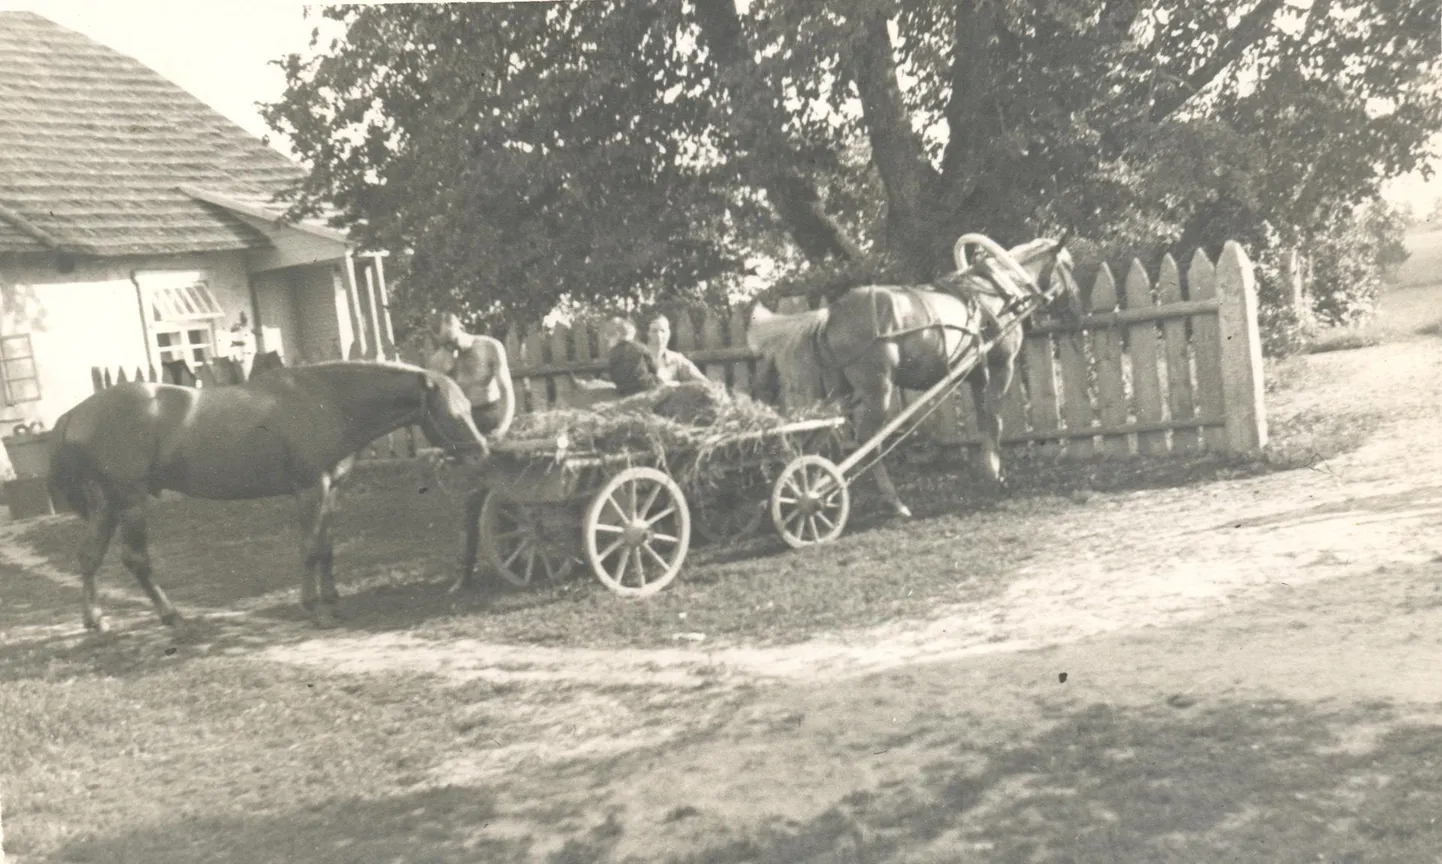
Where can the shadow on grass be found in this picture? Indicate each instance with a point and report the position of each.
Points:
(1270, 780)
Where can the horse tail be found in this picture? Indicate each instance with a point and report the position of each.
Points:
(67, 474)
(788, 342)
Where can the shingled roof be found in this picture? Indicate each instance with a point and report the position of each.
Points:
(95, 147)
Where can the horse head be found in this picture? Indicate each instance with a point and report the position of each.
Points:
(1042, 266)
(446, 419)
(1057, 280)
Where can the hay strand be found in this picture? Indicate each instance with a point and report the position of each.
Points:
(696, 431)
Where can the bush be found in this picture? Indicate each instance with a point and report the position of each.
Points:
(1349, 260)
(1283, 331)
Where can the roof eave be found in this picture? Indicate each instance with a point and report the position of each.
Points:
(40, 235)
(227, 202)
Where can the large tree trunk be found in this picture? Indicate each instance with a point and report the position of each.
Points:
(914, 222)
(757, 123)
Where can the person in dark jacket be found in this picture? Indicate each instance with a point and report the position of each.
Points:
(631, 367)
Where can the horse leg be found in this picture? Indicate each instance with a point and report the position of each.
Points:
(328, 595)
(873, 408)
(92, 554)
(988, 385)
(310, 502)
(136, 554)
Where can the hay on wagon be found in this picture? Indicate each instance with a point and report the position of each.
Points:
(695, 431)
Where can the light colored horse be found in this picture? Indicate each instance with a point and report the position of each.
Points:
(877, 338)
(290, 431)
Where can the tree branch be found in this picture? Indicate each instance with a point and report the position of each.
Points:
(1253, 26)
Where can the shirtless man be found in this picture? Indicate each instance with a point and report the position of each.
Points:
(478, 364)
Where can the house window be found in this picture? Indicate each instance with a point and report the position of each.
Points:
(17, 369)
(184, 314)
(193, 344)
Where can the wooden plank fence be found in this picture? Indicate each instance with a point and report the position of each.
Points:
(1154, 367)
(1171, 365)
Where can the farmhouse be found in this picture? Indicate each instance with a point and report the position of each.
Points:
(138, 227)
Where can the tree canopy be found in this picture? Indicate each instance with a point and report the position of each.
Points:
(515, 156)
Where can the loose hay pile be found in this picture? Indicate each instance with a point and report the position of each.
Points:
(684, 427)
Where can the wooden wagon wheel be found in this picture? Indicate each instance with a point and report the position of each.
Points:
(516, 543)
(810, 502)
(637, 530)
(729, 514)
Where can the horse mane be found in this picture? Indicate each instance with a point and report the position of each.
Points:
(788, 341)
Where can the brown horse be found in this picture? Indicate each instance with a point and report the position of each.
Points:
(290, 431)
(874, 339)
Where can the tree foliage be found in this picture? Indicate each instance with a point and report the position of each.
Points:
(513, 156)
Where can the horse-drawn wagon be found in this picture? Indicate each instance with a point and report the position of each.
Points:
(630, 515)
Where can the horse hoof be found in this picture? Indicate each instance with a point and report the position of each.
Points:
(461, 583)
(325, 620)
(98, 624)
(171, 619)
(902, 512)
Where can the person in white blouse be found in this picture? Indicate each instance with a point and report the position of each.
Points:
(672, 367)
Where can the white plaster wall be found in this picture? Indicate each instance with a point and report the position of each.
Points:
(92, 317)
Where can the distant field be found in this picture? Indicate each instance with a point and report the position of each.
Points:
(1424, 267)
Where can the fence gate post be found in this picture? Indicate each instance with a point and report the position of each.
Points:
(1241, 346)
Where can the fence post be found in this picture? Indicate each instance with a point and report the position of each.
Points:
(1241, 347)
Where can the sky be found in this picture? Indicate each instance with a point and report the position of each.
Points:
(221, 51)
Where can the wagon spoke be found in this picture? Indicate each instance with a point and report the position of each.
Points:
(650, 502)
(662, 515)
(794, 515)
(666, 538)
(631, 494)
(635, 554)
(511, 535)
(550, 571)
(615, 505)
(607, 552)
(790, 483)
(609, 529)
(621, 570)
(811, 523)
(515, 553)
(530, 563)
(830, 526)
(786, 499)
(656, 556)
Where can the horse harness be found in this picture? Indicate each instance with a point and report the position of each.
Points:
(991, 280)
